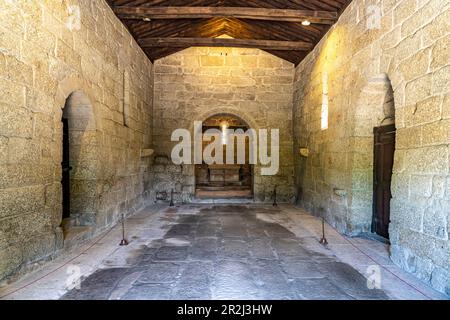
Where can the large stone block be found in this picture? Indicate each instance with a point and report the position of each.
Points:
(212, 61)
(435, 219)
(437, 28)
(440, 279)
(421, 185)
(171, 61)
(24, 200)
(409, 212)
(436, 133)
(408, 138)
(439, 55)
(441, 81)
(269, 62)
(418, 89)
(430, 160)
(10, 259)
(20, 227)
(25, 175)
(439, 187)
(248, 61)
(39, 246)
(176, 169)
(405, 9)
(21, 150)
(43, 126)
(420, 61)
(15, 121)
(361, 160)
(242, 81)
(19, 72)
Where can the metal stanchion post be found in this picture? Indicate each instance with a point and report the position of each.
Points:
(171, 199)
(275, 204)
(124, 241)
(323, 241)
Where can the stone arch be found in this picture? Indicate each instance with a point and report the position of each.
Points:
(375, 107)
(249, 120)
(228, 114)
(71, 84)
(247, 170)
(234, 112)
(79, 114)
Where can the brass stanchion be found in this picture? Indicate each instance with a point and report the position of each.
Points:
(323, 241)
(124, 241)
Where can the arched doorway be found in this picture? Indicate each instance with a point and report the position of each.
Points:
(79, 163)
(372, 156)
(383, 162)
(226, 180)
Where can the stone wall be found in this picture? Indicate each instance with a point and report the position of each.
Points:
(408, 52)
(47, 58)
(197, 83)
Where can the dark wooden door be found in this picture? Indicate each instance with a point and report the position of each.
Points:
(384, 149)
(66, 170)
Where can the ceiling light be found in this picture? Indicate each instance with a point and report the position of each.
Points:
(146, 19)
(306, 22)
(224, 126)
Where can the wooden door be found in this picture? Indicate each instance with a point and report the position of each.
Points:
(384, 149)
(66, 170)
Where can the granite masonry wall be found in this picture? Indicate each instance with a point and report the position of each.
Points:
(196, 83)
(385, 61)
(73, 58)
(373, 68)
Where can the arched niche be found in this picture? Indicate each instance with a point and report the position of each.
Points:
(79, 161)
(375, 109)
(225, 180)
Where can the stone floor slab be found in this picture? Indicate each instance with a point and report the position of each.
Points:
(172, 253)
(223, 252)
(319, 289)
(149, 292)
(160, 272)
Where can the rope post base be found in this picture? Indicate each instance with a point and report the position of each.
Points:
(123, 242)
(275, 204)
(323, 241)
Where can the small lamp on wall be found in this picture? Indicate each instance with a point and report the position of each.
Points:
(304, 152)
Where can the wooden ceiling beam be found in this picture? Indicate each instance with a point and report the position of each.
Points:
(288, 15)
(225, 42)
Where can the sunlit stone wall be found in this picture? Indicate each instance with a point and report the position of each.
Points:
(197, 83)
(406, 49)
(48, 51)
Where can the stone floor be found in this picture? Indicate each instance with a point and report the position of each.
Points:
(222, 252)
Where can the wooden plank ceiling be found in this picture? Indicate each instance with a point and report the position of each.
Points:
(163, 27)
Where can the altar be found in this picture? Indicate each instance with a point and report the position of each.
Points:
(223, 175)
